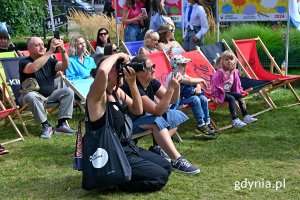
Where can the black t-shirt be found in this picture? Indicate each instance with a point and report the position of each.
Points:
(44, 76)
(149, 91)
(117, 119)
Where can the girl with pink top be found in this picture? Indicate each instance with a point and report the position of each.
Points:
(133, 18)
(226, 86)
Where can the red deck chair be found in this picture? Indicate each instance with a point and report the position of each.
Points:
(25, 53)
(92, 45)
(5, 112)
(162, 68)
(247, 54)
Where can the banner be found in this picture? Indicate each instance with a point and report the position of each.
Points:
(173, 7)
(252, 10)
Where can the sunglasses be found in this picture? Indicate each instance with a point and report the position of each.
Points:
(171, 30)
(116, 50)
(150, 68)
(102, 34)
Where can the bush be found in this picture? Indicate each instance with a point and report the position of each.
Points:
(272, 37)
(25, 17)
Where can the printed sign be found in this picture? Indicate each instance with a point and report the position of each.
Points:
(252, 10)
(59, 20)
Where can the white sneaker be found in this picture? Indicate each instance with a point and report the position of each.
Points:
(238, 123)
(249, 119)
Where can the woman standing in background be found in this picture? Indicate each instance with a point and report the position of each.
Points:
(196, 25)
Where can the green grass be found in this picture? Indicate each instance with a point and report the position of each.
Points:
(264, 151)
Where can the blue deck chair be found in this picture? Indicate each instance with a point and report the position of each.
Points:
(132, 48)
(211, 52)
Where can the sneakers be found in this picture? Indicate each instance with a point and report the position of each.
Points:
(3, 150)
(238, 123)
(65, 129)
(215, 131)
(156, 149)
(207, 132)
(47, 132)
(249, 119)
(182, 165)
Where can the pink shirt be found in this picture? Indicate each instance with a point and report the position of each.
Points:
(134, 12)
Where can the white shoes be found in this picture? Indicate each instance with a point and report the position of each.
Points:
(238, 123)
(248, 119)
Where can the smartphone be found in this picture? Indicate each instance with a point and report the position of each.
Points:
(144, 11)
(56, 34)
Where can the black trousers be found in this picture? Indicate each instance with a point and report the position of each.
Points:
(231, 97)
(150, 172)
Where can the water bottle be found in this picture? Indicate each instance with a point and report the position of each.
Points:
(283, 68)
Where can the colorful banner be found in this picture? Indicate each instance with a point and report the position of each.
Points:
(174, 8)
(252, 10)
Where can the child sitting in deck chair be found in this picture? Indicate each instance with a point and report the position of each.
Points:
(191, 93)
(226, 86)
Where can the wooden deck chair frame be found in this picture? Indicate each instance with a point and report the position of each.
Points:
(275, 84)
(7, 100)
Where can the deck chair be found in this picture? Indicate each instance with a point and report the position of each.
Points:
(201, 67)
(25, 53)
(80, 88)
(5, 113)
(92, 45)
(252, 86)
(247, 54)
(11, 69)
(132, 48)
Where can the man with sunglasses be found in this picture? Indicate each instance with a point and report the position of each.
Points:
(157, 116)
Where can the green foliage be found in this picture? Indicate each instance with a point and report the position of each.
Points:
(274, 39)
(25, 17)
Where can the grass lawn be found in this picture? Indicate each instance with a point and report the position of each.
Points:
(266, 152)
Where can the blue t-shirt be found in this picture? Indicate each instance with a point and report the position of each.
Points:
(78, 70)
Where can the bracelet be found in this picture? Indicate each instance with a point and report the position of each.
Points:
(63, 51)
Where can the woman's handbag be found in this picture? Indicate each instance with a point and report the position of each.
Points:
(104, 161)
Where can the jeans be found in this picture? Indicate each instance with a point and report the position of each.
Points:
(170, 119)
(133, 32)
(231, 97)
(199, 106)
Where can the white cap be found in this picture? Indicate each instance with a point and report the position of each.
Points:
(177, 59)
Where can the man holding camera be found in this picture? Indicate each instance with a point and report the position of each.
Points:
(37, 74)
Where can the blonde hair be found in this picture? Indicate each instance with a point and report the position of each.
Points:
(150, 35)
(73, 44)
(228, 54)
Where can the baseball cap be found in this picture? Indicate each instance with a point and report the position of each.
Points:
(176, 59)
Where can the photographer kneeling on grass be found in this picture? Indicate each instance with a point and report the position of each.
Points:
(150, 172)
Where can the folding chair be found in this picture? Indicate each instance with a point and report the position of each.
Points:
(252, 86)
(11, 69)
(247, 54)
(132, 48)
(92, 45)
(5, 112)
(80, 87)
(25, 53)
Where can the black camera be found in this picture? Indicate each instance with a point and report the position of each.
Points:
(120, 65)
